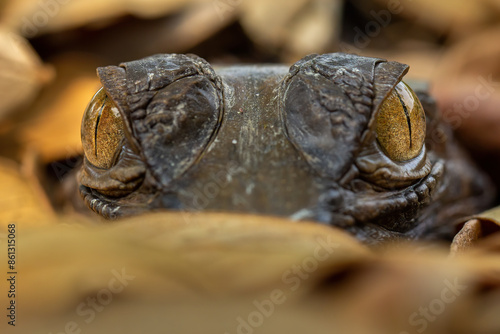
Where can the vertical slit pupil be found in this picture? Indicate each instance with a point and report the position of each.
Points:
(408, 120)
(97, 124)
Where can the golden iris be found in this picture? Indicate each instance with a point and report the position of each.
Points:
(401, 124)
(102, 131)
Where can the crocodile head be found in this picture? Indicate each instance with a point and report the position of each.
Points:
(337, 138)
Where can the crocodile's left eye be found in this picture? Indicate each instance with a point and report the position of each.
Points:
(102, 131)
(401, 124)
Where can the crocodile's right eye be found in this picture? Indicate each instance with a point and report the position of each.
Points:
(102, 131)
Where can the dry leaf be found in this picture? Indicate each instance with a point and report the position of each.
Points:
(32, 17)
(491, 220)
(216, 268)
(22, 73)
(456, 17)
(315, 30)
(267, 22)
(196, 25)
(468, 236)
(479, 234)
(175, 256)
(300, 27)
(20, 202)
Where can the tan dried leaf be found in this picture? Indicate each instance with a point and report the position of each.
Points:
(317, 28)
(492, 216)
(458, 17)
(300, 26)
(20, 200)
(33, 17)
(480, 233)
(216, 268)
(467, 237)
(177, 256)
(197, 25)
(22, 73)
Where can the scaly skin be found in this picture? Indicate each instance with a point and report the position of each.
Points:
(299, 142)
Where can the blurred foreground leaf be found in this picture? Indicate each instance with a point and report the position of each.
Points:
(215, 273)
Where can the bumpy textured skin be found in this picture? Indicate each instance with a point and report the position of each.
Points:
(297, 142)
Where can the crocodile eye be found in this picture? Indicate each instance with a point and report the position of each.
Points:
(401, 124)
(102, 131)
